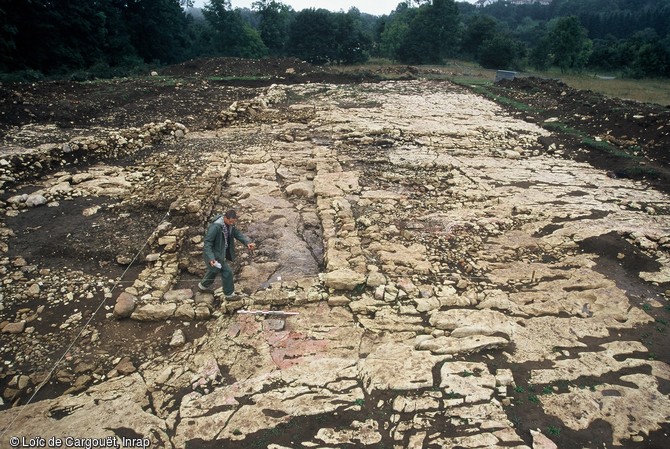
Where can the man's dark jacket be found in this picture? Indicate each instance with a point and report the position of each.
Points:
(215, 242)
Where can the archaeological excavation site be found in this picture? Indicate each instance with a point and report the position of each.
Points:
(460, 273)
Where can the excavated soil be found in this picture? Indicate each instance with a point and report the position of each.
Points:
(637, 133)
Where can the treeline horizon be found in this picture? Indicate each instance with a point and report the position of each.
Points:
(88, 39)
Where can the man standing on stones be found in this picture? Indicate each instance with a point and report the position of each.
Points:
(219, 249)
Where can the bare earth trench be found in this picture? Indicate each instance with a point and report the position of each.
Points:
(457, 286)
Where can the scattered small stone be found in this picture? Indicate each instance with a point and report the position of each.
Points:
(178, 339)
(125, 367)
(34, 290)
(14, 328)
(36, 200)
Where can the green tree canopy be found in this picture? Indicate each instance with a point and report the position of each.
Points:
(54, 36)
(479, 29)
(275, 23)
(156, 29)
(640, 54)
(569, 45)
(312, 36)
(118, 37)
(232, 36)
(539, 56)
(353, 44)
(395, 30)
(501, 52)
(432, 34)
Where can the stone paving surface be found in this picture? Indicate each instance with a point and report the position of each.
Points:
(438, 257)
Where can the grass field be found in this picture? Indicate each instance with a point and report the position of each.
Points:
(646, 90)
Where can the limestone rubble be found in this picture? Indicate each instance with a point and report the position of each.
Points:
(433, 248)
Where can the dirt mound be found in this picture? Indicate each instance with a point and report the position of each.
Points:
(238, 67)
(628, 138)
(191, 93)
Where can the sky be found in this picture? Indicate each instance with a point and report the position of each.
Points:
(374, 7)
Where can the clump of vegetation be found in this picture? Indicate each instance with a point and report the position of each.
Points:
(606, 147)
(563, 129)
(641, 171)
(453, 395)
(483, 89)
(553, 430)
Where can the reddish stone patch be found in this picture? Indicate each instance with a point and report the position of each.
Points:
(288, 347)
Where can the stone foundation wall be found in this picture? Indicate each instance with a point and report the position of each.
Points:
(31, 163)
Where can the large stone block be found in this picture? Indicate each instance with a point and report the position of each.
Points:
(344, 279)
(154, 312)
(125, 305)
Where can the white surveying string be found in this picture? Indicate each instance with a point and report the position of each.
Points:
(81, 331)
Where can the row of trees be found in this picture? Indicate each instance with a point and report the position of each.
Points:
(112, 37)
(629, 36)
(60, 36)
